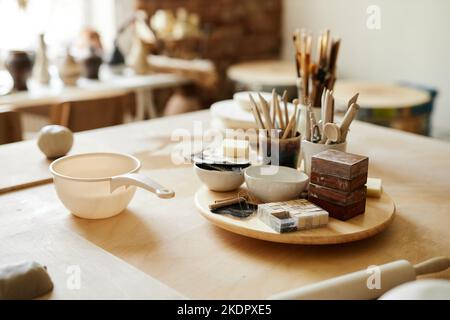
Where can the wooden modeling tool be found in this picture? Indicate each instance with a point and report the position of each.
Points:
(291, 123)
(256, 113)
(285, 105)
(353, 100)
(279, 113)
(332, 132)
(354, 286)
(347, 120)
(308, 126)
(273, 112)
(266, 113)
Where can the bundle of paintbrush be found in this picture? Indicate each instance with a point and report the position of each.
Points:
(326, 131)
(313, 77)
(274, 115)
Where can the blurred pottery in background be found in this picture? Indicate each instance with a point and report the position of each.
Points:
(117, 60)
(137, 58)
(40, 70)
(19, 66)
(69, 70)
(91, 65)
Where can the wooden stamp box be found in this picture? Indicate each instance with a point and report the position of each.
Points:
(339, 164)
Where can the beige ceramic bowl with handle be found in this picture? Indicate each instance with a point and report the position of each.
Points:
(100, 185)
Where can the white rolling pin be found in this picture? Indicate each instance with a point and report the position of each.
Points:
(354, 286)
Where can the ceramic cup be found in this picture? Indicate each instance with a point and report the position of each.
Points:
(100, 185)
(310, 149)
(274, 183)
(286, 152)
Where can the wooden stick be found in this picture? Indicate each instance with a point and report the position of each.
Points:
(279, 113)
(229, 202)
(299, 88)
(273, 109)
(326, 38)
(308, 126)
(256, 113)
(290, 125)
(266, 112)
(329, 108)
(353, 100)
(347, 120)
(286, 111)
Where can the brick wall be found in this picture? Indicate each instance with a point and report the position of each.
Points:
(237, 30)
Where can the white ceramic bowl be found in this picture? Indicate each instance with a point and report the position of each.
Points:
(100, 185)
(273, 183)
(220, 181)
(243, 100)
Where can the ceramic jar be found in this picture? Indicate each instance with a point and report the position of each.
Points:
(19, 65)
(91, 65)
(69, 70)
(117, 60)
(281, 152)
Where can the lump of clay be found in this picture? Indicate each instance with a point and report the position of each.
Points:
(55, 141)
(26, 280)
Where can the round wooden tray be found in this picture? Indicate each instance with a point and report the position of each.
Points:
(379, 214)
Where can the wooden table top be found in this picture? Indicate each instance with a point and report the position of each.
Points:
(171, 242)
(108, 84)
(265, 72)
(374, 95)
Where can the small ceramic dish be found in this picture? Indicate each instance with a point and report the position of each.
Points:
(274, 183)
(220, 181)
(243, 100)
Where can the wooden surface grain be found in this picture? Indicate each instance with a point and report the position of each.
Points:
(79, 269)
(170, 241)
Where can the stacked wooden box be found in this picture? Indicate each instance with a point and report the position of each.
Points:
(338, 183)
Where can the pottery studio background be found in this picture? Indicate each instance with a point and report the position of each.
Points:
(406, 46)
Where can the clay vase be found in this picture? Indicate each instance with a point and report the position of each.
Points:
(91, 65)
(69, 70)
(40, 70)
(19, 66)
(117, 60)
(137, 58)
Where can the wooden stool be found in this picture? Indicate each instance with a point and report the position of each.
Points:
(10, 125)
(403, 107)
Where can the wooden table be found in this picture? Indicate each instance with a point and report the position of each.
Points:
(56, 92)
(171, 242)
(264, 75)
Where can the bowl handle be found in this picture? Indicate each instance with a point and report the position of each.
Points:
(139, 180)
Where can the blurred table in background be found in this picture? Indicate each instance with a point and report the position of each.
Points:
(56, 92)
(401, 106)
(264, 75)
